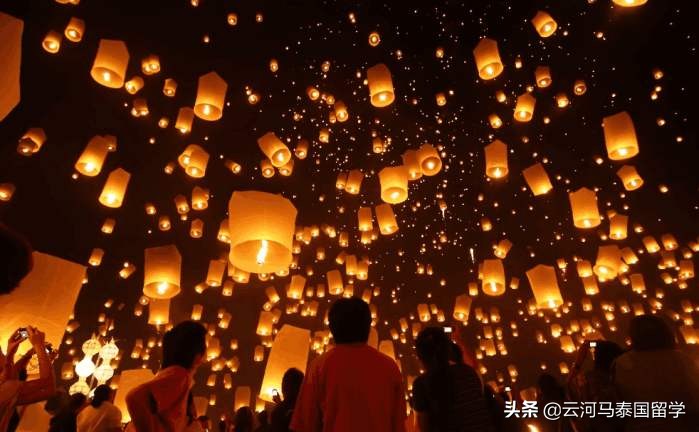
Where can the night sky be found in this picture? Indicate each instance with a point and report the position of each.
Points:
(614, 50)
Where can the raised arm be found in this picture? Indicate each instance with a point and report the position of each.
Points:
(45, 386)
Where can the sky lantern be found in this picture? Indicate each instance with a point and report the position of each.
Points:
(289, 350)
(544, 24)
(277, 152)
(115, 188)
(133, 85)
(335, 284)
(354, 181)
(423, 312)
(200, 198)
(159, 312)
(185, 117)
(620, 136)
(215, 272)
(31, 142)
(487, 58)
(380, 85)
(92, 158)
(301, 150)
(196, 229)
(394, 184)
(429, 160)
(211, 97)
(629, 3)
(261, 231)
(412, 164)
(386, 219)
(608, 262)
(502, 248)
(496, 160)
(341, 113)
(170, 87)
(618, 226)
(493, 281)
(462, 307)
(537, 179)
(162, 267)
(194, 160)
(296, 287)
(265, 323)
(542, 76)
(544, 285)
(150, 65)
(75, 29)
(495, 121)
(524, 109)
(579, 87)
(651, 244)
(629, 177)
(364, 218)
(584, 268)
(583, 203)
(111, 61)
(52, 42)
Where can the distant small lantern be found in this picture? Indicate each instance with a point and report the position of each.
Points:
(354, 182)
(31, 142)
(429, 160)
(115, 188)
(364, 219)
(194, 160)
(620, 136)
(462, 307)
(277, 152)
(52, 42)
(75, 29)
(133, 85)
(170, 87)
(537, 179)
(629, 177)
(629, 3)
(495, 121)
(111, 61)
(341, 111)
(267, 168)
(487, 57)
(618, 226)
(211, 97)
(524, 109)
(583, 203)
(496, 160)
(386, 219)
(150, 65)
(542, 75)
(608, 262)
(579, 87)
(544, 285)
(380, 85)
(185, 117)
(301, 150)
(394, 184)
(92, 158)
(412, 164)
(493, 277)
(162, 268)
(544, 24)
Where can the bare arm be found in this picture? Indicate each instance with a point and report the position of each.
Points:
(44, 387)
(139, 402)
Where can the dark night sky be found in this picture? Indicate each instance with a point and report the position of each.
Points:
(62, 216)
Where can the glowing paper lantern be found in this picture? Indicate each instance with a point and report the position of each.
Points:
(341, 111)
(75, 29)
(487, 57)
(31, 142)
(133, 85)
(537, 179)
(170, 87)
(364, 217)
(261, 231)
(380, 85)
(524, 109)
(10, 58)
(115, 188)
(579, 87)
(289, 350)
(354, 182)
(394, 184)
(495, 121)
(462, 307)
(620, 136)
(629, 3)
(109, 67)
(52, 42)
(386, 219)
(429, 160)
(277, 152)
(544, 285)
(496, 159)
(335, 284)
(544, 24)
(242, 397)
(194, 160)
(159, 311)
(150, 65)
(162, 268)
(296, 287)
(542, 75)
(618, 226)
(412, 164)
(583, 203)
(211, 97)
(185, 117)
(92, 158)
(130, 379)
(493, 283)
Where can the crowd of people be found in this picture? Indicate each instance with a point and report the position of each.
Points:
(354, 387)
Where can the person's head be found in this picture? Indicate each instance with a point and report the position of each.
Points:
(184, 345)
(203, 421)
(17, 259)
(243, 419)
(434, 348)
(263, 418)
(605, 354)
(456, 355)
(102, 393)
(291, 384)
(649, 333)
(549, 389)
(58, 402)
(77, 401)
(350, 320)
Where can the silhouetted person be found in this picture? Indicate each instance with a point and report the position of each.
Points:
(262, 421)
(100, 415)
(448, 397)
(352, 387)
(243, 420)
(165, 402)
(655, 370)
(66, 419)
(550, 391)
(283, 411)
(16, 260)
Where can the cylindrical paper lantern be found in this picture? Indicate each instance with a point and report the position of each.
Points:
(544, 24)
(412, 164)
(462, 307)
(618, 226)
(277, 152)
(487, 57)
(170, 87)
(394, 184)
(211, 97)
(261, 230)
(493, 277)
(159, 311)
(214, 276)
(115, 188)
(75, 29)
(608, 262)
(341, 111)
(161, 270)
(429, 160)
(524, 109)
(583, 203)
(92, 158)
(380, 85)
(386, 219)
(542, 76)
(52, 42)
(629, 3)
(630, 177)
(354, 181)
(496, 159)
(185, 117)
(544, 285)
(537, 179)
(133, 85)
(364, 218)
(194, 160)
(31, 141)
(620, 136)
(109, 67)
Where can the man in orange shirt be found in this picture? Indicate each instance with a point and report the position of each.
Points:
(352, 387)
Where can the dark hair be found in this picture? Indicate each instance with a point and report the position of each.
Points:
(350, 320)
(550, 389)
(77, 400)
(243, 419)
(17, 262)
(102, 393)
(183, 343)
(291, 384)
(650, 332)
(456, 355)
(605, 354)
(434, 349)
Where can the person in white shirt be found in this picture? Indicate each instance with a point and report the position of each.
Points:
(101, 415)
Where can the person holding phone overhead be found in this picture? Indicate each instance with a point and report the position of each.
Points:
(14, 392)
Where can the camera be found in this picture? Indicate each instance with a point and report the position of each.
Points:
(20, 335)
(447, 330)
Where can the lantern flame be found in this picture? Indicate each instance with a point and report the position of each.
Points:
(262, 253)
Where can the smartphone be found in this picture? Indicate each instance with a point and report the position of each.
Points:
(49, 348)
(21, 334)
(447, 329)
(508, 389)
(593, 344)
(275, 392)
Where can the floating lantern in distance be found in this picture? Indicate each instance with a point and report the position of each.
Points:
(111, 60)
(380, 85)
(287, 169)
(542, 75)
(618, 226)
(196, 229)
(115, 188)
(159, 311)
(502, 248)
(487, 57)
(386, 219)
(335, 284)
(194, 160)
(133, 85)
(620, 136)
(354, 182)
(524, 109)
(394, 184)
(583, 203)
(544, 24)
(200, 198)
(150, 65)
(52, 42)
(162, 268)
(629, 3)
(364, 219)
(629, 177)
(92, 158)
(441, 99)
(429, 160)
(495, 121)
(412, 164)
(374, 39)
(562, 100)
(301, 150)
(211, 97)
(96, 257)
(579, 87)
(75, 29)
(312, 93)
(267, 168)
(608, 262)
(341, 111)
(214, 275)
(170, 87)
(462, 308)
(31, 141)
(277, 152)
(261, 230)
(273, 65)
(185, 117)
(537, 179)
(544, 285)
(496, 159)
(493, 277)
